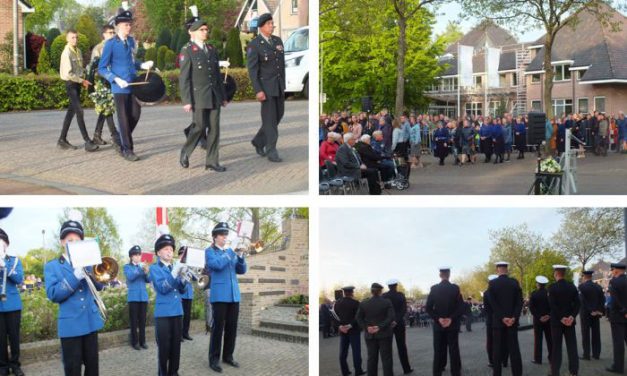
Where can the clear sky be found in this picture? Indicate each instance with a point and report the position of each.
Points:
(361, 246)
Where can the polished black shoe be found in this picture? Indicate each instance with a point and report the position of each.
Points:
(232, 363)
(275, 158)
(408, 371)
(216, 367)
(184, 160)
(17, 371)
(258, 149)
(65, 145)
(216, 168)
(144, 346)
(98, 140)
(136, 347)
(90, 146)
(187, 337)
(130, 156)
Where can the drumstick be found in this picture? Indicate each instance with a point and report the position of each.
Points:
(138, 83)
(227, 70)
(148, 71)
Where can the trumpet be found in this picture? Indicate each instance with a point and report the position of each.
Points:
(189, 273)
(246, 247)
(102, 273)
(3, 255)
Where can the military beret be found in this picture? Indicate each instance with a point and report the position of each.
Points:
(263, 19)
(376, 286)
(4, 236)
(135, 250)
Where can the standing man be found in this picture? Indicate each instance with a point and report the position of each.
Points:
(400, 309)
(618, 316)
(224, 265)
(137, 297)
(445, 305)
(564, 303)
(203, 93)
(592, 309)
(72, 72)
(488, 328)
(266, 68)
(468, 314)
(505, 297)
(350, 332)
(10, 309)
(541, 312)
(118, 65)
(376, 315)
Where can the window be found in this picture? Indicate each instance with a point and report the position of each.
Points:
(477, 82)
(515, 79)
(536, 105)
(449, 84)
(562, 107)
(599, 104)
(561, 73)
(582, 105)
(580, 73)
(494, 107)
(474, 108)
(294, 6)
(535, 78)
(503, 80)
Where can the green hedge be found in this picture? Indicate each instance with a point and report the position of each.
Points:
(39, 315)
(44, 92)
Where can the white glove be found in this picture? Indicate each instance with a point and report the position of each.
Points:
(121, 83)
(224, 64)
(2, 263)
(147, 64)
(176, 270)
(79, 273)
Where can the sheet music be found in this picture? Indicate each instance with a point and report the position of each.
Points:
(147, 257)
(195, 257)
(84, 253)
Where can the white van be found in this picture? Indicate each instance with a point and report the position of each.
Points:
(297, 62)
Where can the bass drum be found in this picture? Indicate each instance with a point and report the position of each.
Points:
(150, 93)
(230, 86)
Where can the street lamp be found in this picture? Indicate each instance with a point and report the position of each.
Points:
(322, 66)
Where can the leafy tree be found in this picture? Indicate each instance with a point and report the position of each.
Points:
(165, 37)
(98, 223)
(452, 34)
(183, 39)
(175, 38)
(169, 60)
(35, 259)
(216, 39)
(51, 36)
(234, 48)
(543, 265)
(56, 49)
(161, 52)
(38, 21)
(87, 26)
(43, 64)
(151, 54)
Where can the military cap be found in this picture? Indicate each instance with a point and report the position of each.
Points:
(617, 265)
(222, 228)
(392, 282)
(4, 236)
(542, 280)
(376, 286)
(71, 227)
(492, 276)
(263, 19)
(164, 241)
(501, 264)
(560, 267)
(588, 272)
(194, 26)
(445, 268)
(348, 288)
(135, 250)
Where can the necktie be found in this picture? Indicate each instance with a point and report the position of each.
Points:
(170, 267)
(125, 44)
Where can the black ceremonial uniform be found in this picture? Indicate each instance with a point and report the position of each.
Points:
(564, 302)
(505, 297)
(445, 301)
(266, 69)
(488, 328)
(377, 311)
(400, 309)
(618, 321)
(200, 86)
(539, 306)
(346, 310)
(592, 299)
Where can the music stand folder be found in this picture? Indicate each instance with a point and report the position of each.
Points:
(84, 253)
(195, 257)
(147, 257)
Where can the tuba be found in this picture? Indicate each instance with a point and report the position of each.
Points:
(102, 273)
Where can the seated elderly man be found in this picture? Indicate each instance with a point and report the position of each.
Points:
(349, 164)
(374, 160)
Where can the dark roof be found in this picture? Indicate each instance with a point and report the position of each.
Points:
(26, 3)
(496, 37)
(597, 46)
(507, 62)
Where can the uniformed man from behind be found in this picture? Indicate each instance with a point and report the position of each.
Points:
(564, 303)
(350, 334)
(10, 309)
(505, 297)
(266, 69)
(488, 328)
(618, 316)
(203, 93)
(592, 309)
(375, 316)
(445, 305)
(400, 309)
(541, 312)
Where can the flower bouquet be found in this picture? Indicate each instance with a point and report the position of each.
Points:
(303, 313)
(550, 166)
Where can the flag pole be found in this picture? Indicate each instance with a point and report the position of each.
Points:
(459, 81)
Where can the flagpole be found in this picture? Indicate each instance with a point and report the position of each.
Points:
(487, 106)
(459, 81)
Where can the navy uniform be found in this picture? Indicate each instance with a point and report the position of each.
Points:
(187, 300)
(488, 328)
(445, 302)
(137, 298)
(79, 319)
(564, 302)
(200, 86)
(169, 287)
(592, 301)
(224, 265)
(377, 312)
(618, 317)
(266, 69)
(10, 311)
(539, 307)
(346, 314)
(505, 296)
(400, 309)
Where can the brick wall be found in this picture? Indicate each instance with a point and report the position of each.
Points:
(6, 20)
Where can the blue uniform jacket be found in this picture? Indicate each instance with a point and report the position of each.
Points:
(485, 131)
(136, 281)
(189, 292)
(16, 275)
(441, 135)
(78, 313)
(119, 61)
(169, 291)
(520, 128)
(224, 267)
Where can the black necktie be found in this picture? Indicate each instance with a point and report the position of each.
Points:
(170, 267)
(125, 44)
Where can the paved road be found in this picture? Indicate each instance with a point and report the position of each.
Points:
(256, 355)
(595, 175)
(474, 358)
(30, 163)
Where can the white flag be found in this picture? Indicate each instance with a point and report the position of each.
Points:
(464, 65)
(492, 65)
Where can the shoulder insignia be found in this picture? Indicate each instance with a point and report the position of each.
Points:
(181, 57)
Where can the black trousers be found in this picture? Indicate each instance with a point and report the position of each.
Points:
(187, 315)
(77, 351)
(373, 180)
(352, 339)
(168, 336)
(73, 91)
(10, 328)
(590, 324)
(490, 347)
(129, 112)
(401, 346)
(272, 110)
(206, 123)
(137, 319)
(508, 338)
(468, 322)
(570, 336)
(110, 124)
(538, 330)
(225, 317)
(619, 340)
(444, 340)
(381, 346)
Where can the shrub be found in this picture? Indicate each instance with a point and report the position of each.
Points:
(183, 39)
(175, 38)
(296, 299)
(87, 27)
(170, 60)
(34, 44)
(50, 36)
(164, 39)
(141, 52)
(151, 54)
(43, 63)
(216, 39)
(233, 49)
(57, 46)
(161, 57)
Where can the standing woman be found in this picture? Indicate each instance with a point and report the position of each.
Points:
(520, 137)
(509, 137)
(136, 279)
(441, 137)
(485, 135)
(10, 309)
(498, 139)
(415, 142)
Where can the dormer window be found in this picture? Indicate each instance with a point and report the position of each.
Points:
(561, 72)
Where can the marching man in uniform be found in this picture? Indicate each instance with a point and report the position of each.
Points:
(137, 298)
(10, 308)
